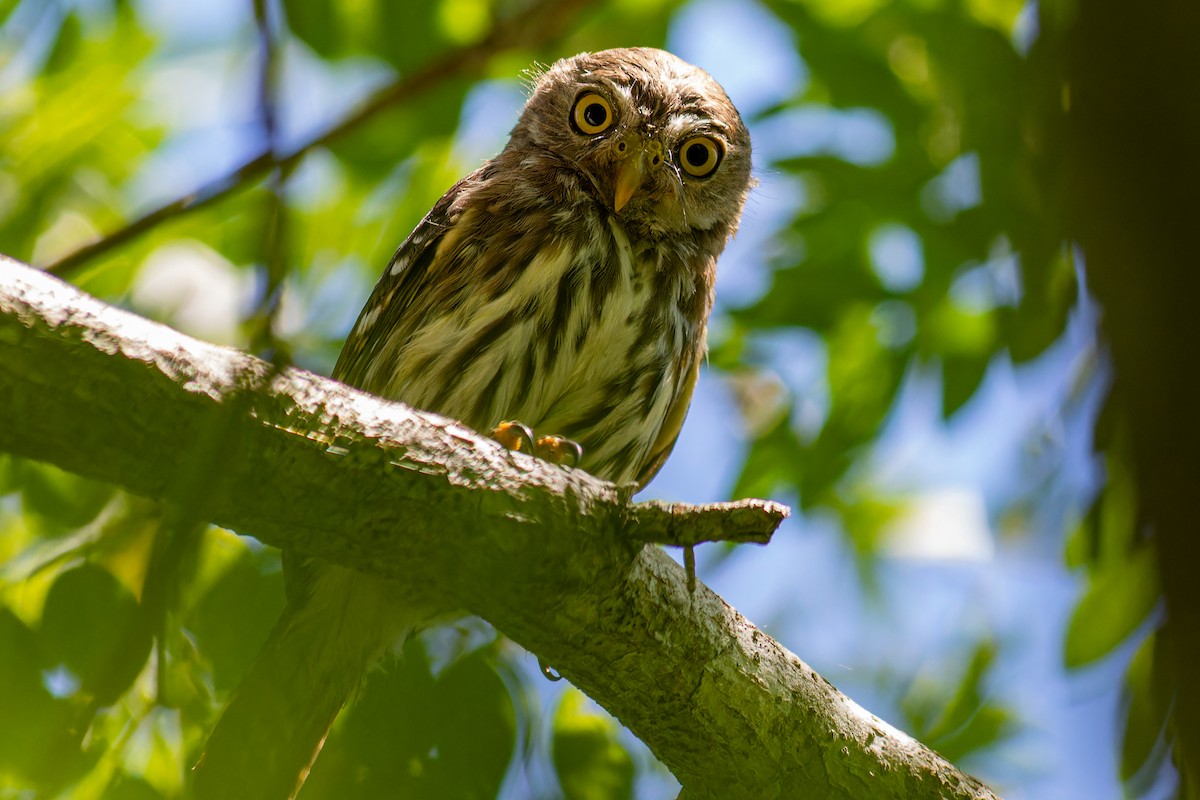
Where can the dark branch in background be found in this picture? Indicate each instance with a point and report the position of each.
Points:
(1133, 126)
(184, 522)
(552, 557)
(538, 23)
(274, 229)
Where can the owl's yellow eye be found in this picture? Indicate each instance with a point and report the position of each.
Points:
(592, 114)
(699, 156)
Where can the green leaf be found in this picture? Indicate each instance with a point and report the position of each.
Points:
(126, 787)
(1077, 552)
(773, 460)
(961, 377)
(1117, 514)
(381, 745)
(406, 35)
(6, 8)
(966, 722)
(61, 501)
(989, 726)
(475, 729)
(1050, 291)
(958, 332)
(93, 626)
(1118, 600)
(1148, 704)
(416, 735)
(318, 24)
(969, 723)
(40, 735)
(66, 44)
(591, 762)
(9, 474)
(232, 620)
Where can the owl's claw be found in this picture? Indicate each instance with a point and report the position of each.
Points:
(515, 436)
(559, 450)
(555, 449)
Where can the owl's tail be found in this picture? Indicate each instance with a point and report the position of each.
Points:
(315, 658)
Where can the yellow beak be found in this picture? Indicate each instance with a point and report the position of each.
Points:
(635, 166)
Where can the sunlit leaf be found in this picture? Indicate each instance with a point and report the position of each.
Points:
(155, 746)
(1001, 14)
(464, 21)
(843, 14)
(1118, 599)
(590, 761)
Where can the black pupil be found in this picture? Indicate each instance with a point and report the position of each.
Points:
(595, 115)
(697, 155)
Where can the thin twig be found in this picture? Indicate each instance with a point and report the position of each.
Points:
(181, 531)
(273, 270)
(536, 25)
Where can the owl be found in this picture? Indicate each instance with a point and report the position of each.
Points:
(565, 284)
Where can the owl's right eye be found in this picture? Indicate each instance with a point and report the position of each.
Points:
(592, 114)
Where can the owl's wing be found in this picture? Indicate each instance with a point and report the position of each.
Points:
(673, 421)
(400, 283)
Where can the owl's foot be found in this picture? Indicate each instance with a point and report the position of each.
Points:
(559, 450)
(555, 449)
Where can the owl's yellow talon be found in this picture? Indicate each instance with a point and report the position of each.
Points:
(515, 436)
(559, 450)
(555, 449)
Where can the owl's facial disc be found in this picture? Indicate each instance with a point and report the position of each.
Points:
(638, 158)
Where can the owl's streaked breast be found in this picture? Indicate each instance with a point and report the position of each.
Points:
(611, 368)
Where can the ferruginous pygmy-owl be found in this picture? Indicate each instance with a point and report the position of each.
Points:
(565, 284)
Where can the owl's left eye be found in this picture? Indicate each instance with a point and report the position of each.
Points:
(592, 114)
(699, 156)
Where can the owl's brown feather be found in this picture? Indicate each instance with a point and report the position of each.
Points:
(566, 284)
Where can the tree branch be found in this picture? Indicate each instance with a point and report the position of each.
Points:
(552, 557)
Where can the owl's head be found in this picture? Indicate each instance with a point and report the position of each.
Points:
(657, 138)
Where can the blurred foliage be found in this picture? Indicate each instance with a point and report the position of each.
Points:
(417, 733)
(107, 687)
(590, 760)
(958, 720)
(972, 119)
